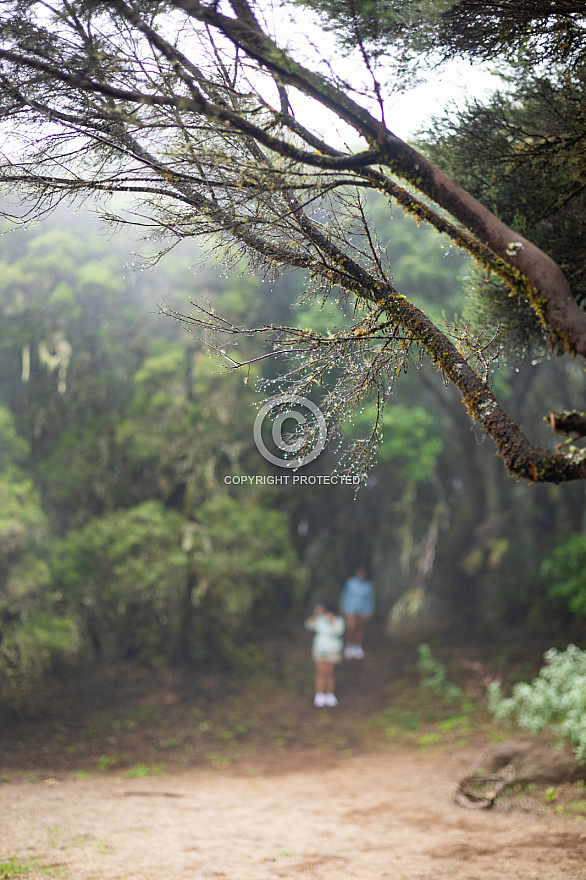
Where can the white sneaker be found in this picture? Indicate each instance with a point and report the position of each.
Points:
(358, 652)
(349, 652)
(330, 700)
(319, 700)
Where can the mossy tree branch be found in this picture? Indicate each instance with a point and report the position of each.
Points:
(122, 107)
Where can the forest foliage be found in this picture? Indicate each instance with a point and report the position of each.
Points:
(119, 537)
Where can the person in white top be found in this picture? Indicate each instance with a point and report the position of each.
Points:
(326, 651)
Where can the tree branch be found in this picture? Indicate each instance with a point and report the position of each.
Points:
(545, 285)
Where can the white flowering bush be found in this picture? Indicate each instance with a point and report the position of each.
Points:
(555, 700)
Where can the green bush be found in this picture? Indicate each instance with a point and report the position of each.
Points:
(148, 584)
(564, 573)
(36, 644)
(555, 700)
(245, 572)
(126, 576)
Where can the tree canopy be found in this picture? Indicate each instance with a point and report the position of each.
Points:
(125, 532)
(193, 110)
(118, 537)
(552, 29)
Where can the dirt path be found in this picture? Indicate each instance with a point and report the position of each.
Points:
(309, 815)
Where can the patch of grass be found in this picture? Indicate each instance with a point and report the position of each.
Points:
(392, 717)
(241, 729)
(105, 762)
(218, 760)
(499, 736)
(13, 867)
(394, 732)
(410, 721)
(429, 739)
(456, 721)
(171, 742)
(576, 806)
(141, 770)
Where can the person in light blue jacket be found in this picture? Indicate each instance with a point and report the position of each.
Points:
(357, 605)
(326, 652)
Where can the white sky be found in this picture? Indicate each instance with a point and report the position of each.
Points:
(459, 81)
(405, 113)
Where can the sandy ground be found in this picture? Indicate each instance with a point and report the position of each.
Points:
(306, 815)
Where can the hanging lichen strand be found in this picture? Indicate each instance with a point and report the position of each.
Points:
(58, 361)
(190, 113)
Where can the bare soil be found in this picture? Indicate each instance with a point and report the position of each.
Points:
(135, 776)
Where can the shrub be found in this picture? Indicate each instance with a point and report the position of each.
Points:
(35, 645)
(126, 576)
(435, 678)
(564, 572)
(555, 700)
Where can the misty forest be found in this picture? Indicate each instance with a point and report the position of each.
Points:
(182, 242)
